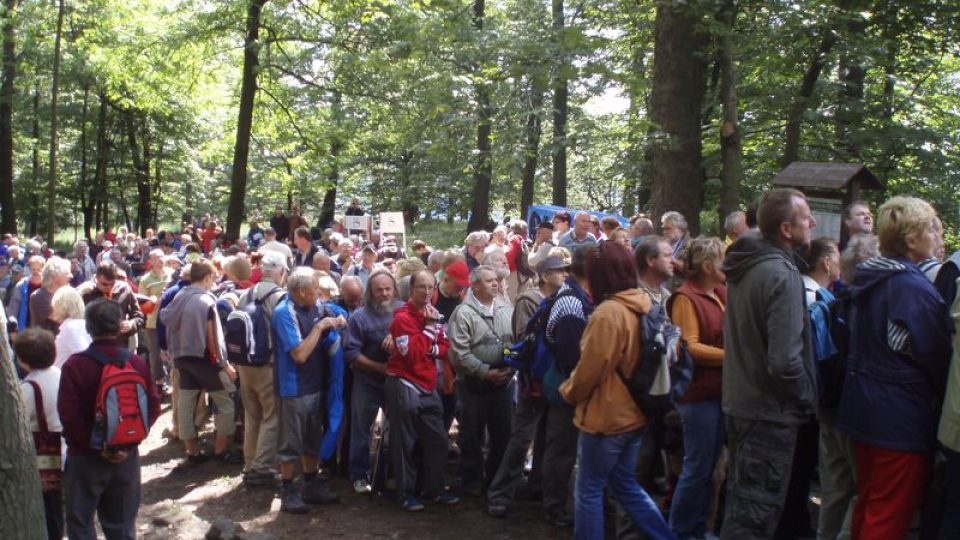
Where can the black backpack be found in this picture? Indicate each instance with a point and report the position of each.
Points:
(831, 369)
(654, 391)
(248, 332)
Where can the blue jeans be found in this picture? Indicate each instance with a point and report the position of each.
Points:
(366, 400)
(950, 527)
(611, 460)
(702, 438)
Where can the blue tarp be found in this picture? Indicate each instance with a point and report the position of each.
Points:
(539, 213)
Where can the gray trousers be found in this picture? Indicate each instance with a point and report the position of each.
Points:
(416, 418)
(94, 486)
(530, 410)
(838, 481)
(559, 457)
(761, 456)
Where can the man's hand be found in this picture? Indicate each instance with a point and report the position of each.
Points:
(114, 456)
(431, 313)
(387, 344)
(498, 376)
(126, 326)
(231, 372)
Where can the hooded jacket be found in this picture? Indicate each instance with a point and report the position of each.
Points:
(900, 352)
(768, 370)
(611, 343)
(185, 319)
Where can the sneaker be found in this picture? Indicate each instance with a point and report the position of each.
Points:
(446, 499)
(411, 504)
(228, 457)
(497, 510)
(317, 492)
(361, 486)
(291, 502)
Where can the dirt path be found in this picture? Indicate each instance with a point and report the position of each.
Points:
(181, 502)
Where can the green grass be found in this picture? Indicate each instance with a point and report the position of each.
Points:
(438, 234)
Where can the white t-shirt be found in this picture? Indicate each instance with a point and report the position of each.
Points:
(277, 247)
(49, 382)
(73, 338)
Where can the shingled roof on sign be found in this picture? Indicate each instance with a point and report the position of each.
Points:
(828, 176)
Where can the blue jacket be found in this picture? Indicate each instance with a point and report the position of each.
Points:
(328, 446)
(899, 355)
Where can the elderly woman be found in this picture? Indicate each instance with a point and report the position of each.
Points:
(67, 311)
(610, 423)
(697, 307)
(900, 345)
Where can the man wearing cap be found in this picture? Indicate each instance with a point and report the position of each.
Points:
(552, 271)
(257, 391)
(446, 297)
(368, 264)
(542, 243)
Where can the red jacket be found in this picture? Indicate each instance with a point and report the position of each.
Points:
(417, 346)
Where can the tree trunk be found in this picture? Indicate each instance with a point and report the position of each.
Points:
(328, 209)
(678, 90)
(248, 90)
(157, 189)
(54, 133)
(791, 147)
(33, 224)
(84, 193)
(8, 211)
(730, 150)
(531, 148)
(559, 110)
(99, 195)
(849, 117)
(141, 167)
(21, 503)
(483, 173)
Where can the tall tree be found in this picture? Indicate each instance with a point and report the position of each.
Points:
(679, 84)
(531, 147)
(483, 169)
(54, 133)
(8, 211)
(248, 90)
(560, 97)
(730, 148)
(21, 503)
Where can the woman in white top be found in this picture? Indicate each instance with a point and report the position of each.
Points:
(35, 352)
(67, 309)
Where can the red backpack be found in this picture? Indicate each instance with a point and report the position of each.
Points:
(122, 411)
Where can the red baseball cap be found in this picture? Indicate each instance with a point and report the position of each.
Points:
(459, 272)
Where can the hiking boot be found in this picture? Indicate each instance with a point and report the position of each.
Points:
(291, 502)
(497, 510)
(361, 486)
(228, 457)
(559, 519)
(446, 499)
(258, 479)
(317, 492)
(411, 504)
(198, 458)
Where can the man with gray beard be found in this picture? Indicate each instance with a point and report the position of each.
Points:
(367, 350)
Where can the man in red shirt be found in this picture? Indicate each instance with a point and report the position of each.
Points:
(413, 403)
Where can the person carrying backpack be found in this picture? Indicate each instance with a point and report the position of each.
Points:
(610, 422)
(534, 303)
(253, 354)
(103, 478)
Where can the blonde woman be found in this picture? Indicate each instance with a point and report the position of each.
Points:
(67, 310)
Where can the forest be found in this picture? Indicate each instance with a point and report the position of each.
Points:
(138, 112)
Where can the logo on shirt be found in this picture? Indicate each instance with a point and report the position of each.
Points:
(403, 345)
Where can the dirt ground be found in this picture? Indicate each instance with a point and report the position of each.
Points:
(180, 502)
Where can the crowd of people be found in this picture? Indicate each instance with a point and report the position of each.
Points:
(327, 352)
